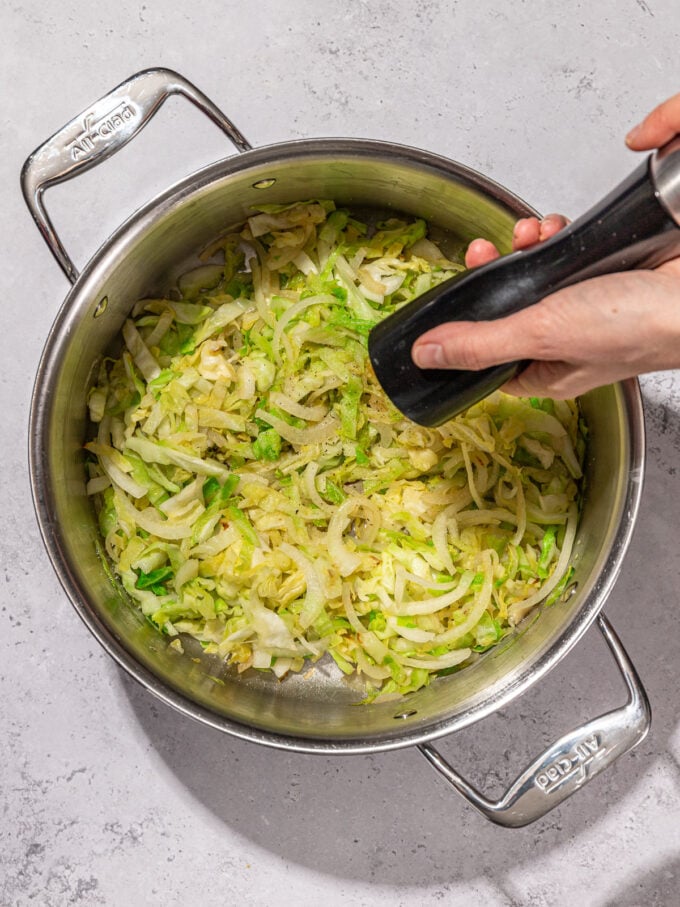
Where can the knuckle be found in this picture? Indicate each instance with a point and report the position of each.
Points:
(544, 331)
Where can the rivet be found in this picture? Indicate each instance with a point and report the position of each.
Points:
(409, 713)
(100, 308)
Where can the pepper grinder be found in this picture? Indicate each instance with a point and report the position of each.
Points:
(637, 225)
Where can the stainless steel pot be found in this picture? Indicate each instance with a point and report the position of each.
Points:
(316, 715)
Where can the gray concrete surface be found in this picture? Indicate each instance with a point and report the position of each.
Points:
(108, 797)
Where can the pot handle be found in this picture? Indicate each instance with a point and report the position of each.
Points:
(570, 762)
(101, 130)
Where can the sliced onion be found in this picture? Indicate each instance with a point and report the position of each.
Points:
(520, 609)
(302, 436)
(402, 577)
(292, 312)
(187, 572)
(370, 279)
(474, 491)
(308, 413)
(479, 606)
(150, 520)
(314, 596)
(485, 515)
(466, 434)
(309, 479)
(351, 613)
(154, 452)
(414, 634)
(345, 560)
(543, 518)
(118, 477)
(432, 605)
(440, 532)
(439, 662)
(521, 515)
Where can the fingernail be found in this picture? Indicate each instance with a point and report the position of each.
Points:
(634, 132)
(429, 355)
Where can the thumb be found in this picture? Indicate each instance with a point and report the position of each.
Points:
(475, 345)
(658, 127)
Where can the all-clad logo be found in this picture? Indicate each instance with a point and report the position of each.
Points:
(574, 765)
(97, 129)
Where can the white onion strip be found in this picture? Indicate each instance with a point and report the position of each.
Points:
(313, 435)
(414, 634)
(118, 476)
(309, 479)
(440, 531)
(308, 413)
(520, 609)
(479, 606)
(150, 520)
(345, 560)
(521, 514)
(291, 313)
(430, 605)
(485, 516)
(314, 596)
(471, 476)
(440, 662)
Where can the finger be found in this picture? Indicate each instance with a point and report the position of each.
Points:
(527, 233)
(551, 224)
(529, 230)
(658, 127)
(480, 252)
(558, 380)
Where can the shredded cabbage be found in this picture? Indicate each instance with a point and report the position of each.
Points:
(257, 491)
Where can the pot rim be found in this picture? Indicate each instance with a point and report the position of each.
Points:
(112, 249)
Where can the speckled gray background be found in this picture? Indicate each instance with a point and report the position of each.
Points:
(110, 798)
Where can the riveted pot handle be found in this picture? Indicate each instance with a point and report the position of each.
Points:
(570, 762)
(100, 131)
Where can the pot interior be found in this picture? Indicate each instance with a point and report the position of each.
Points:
(318, 712)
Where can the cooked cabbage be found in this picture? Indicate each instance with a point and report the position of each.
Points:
(257, 491)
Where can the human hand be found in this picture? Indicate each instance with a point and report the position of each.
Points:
(592, 333)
